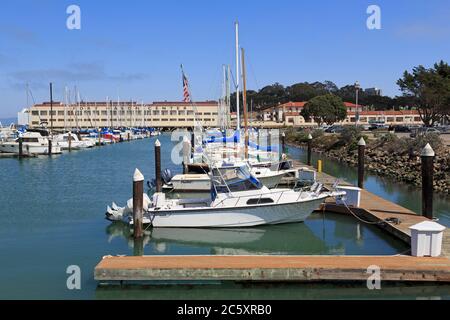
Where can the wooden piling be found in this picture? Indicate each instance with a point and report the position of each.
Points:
(309, 149)
(99, 137)
(128, 136)
(138, 203)
(20, 147)
(158, 166)
(138, 247)
(69, 138)
(283, 143)
(49, 147)
(427, 157)
(319, 166)
(361, 155)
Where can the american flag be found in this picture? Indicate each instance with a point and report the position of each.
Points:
(186, 95)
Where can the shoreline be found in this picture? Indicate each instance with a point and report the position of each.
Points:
(381, 163)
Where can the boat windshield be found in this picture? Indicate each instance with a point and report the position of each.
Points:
(234, 179)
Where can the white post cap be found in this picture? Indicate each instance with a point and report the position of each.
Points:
(157, 143)
(361, 142)
(309, 136)
(283, 134)
(138, 176)
(427, 151)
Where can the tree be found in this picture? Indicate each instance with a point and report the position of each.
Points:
(327, 108)
(429, 91)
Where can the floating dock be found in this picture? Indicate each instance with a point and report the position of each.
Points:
(271, 268)
(390, 217)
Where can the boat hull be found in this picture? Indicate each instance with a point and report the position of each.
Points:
(234, 217)
(28, 148)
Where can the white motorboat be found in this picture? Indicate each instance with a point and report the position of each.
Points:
(32, 143)
(202, 182)
(237, 199)
(63, 141)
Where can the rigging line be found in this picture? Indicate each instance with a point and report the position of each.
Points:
(252, 71)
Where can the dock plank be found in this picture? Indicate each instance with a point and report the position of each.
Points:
(271, 268)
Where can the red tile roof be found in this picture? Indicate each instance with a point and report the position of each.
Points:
(386, 113)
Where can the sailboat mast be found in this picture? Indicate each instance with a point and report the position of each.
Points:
(244, 103)
(228, 103)
(65, 109)
(238, 119)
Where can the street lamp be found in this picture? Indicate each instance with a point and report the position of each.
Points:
(357, 86)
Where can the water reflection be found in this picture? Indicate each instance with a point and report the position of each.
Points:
(285, 291)
(320, 234)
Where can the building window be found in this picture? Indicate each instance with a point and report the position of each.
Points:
(399, 119)
(417, 119)
(390, 119)
(34, 113)
(43, 113)
(60, 113)
(156, 112)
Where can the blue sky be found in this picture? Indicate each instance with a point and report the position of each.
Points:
(134, 48)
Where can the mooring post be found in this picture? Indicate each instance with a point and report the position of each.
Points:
(128, 136)
(49, 146)
(361, 152)
(20, 147)
(69, 139)
(283, 143)
(158, 165)
(186, 154)
(138, 247)
(309, 149)
(319, 166)
(99, 137)
(138, 202)
(427, 157)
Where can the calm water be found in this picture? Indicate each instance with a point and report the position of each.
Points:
(52, 216)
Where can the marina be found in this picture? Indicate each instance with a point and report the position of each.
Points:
(388, 216)
(244, 154)
(84, 236)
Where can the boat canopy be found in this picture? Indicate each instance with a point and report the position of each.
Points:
(237, 178)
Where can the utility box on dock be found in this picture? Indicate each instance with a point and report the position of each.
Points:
(426, 239)
(352, 196)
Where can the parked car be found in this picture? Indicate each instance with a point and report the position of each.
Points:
(401, 129)
(334, 129)
(422, 131)
(444, 129)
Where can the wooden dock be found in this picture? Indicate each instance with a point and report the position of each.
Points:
(270, 268)
(390, 217)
